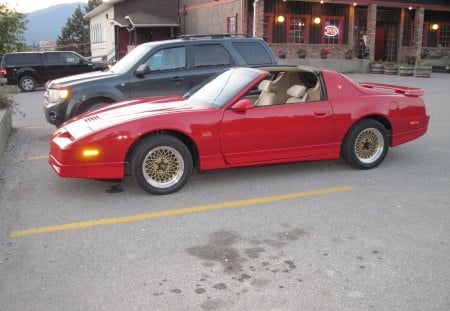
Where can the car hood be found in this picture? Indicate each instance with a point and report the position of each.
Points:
(127, 111)
(82, 78)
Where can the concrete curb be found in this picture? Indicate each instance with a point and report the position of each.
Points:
(5, 128)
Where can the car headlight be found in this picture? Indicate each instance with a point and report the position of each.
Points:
(56, 96)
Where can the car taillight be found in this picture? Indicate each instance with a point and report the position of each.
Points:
(3, 71)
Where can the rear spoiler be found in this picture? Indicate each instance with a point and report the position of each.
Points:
(408, 91)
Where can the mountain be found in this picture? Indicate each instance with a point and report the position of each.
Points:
(47, 24)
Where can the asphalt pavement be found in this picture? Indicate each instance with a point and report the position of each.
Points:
(301, 236)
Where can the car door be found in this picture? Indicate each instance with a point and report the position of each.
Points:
(75, 64)
(277, 132)
(168, 73)
(54, 65)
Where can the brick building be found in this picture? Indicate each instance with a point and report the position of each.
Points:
(377, 30)
(371, 29)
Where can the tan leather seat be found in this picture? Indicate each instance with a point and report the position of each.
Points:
(267, 96)
(297, 94)
(313, 93)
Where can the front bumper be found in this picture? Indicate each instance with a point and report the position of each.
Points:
(88, 170)
(68, 163)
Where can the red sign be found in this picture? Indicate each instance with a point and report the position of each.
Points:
(331, 31)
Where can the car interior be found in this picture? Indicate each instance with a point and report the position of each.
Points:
(286, 87)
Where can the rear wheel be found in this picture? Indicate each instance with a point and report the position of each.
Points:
(366, 144)
(27, 83)
(161, 164)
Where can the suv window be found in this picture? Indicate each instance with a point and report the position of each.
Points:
(211, 55)
(22, 59)
(253, 53)
(168, 59)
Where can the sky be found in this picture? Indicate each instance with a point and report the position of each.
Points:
(27, 6)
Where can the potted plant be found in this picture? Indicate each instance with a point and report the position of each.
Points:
(282, 52)
(377, 67)
(348, 54)
(301, 53)
(390, 68)
(324, 52)
(423, 69)
(405, 69)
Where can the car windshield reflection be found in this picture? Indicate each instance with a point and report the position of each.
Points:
(222, 88)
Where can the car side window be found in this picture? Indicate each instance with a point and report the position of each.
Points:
(168, 59)
(253, 53)
(211, 55)
(53, 58)
(71, 58)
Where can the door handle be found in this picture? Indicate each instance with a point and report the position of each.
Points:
(177, 79)
(320, 113)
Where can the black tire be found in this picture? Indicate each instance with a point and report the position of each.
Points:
(161, 164)
(93, 104)
(27, 83)
(366, 144)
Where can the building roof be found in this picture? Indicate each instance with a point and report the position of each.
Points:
(140, 19)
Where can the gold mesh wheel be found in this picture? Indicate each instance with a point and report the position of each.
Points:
(369, 145)
(163, 167)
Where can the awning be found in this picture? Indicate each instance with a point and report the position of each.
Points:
(139, 20)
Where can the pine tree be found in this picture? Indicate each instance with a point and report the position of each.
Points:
(12, 26)
(75, 35)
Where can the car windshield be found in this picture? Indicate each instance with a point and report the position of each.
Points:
(220, 89)
(131, 59)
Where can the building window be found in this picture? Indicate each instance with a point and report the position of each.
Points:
(332, 30)
(96, 32)
(444, 35)
(231, 24)
(297, 28)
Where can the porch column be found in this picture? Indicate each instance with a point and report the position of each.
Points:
(400, 33)
(371, 29)
(259, 18)
(418, 32)
(351, 29)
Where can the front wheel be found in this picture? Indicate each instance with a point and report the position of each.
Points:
(161, 164)
(27, 83)
(366, 144)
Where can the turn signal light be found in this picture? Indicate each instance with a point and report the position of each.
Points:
(87, 153)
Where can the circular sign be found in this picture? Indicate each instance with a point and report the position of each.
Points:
(331, 31)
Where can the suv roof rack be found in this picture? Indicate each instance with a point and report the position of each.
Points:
(216, 36)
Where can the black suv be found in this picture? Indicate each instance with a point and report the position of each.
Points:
(154, 68)
(28, 69)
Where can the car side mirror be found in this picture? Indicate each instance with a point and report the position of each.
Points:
(243, 105)
(142, 70)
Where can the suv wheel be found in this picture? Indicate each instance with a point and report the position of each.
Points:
(27, 83)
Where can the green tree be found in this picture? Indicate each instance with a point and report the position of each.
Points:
(75, 35)
(12, 26)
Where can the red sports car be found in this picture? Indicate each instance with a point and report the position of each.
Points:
(242, 117)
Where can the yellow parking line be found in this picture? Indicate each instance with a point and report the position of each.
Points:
(38, 157)
(188, 210)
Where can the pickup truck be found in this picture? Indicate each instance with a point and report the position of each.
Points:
(29, 69)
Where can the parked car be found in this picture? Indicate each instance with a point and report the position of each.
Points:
(242, 117)
(154, 68)
(29, 69)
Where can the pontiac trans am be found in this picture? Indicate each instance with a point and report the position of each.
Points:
(241, 117)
